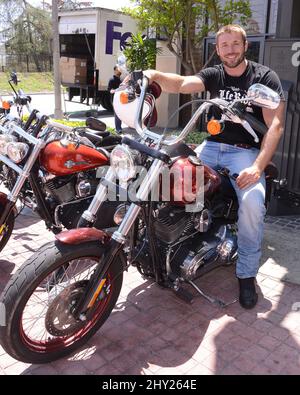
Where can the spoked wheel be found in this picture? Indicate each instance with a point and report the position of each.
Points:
(40, 326)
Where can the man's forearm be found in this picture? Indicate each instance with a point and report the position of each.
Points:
(169, 82)
(268, 148)
(175, 83)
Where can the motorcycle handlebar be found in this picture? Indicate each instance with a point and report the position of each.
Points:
(145, 83)
(156, 154)
(257, 125)
(94, 136)
(60, 126)
(50, 122)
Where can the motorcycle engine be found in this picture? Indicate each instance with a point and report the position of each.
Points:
(61, 188)
(171, 223)
(68, 188)
(215, 247)
(194, 240)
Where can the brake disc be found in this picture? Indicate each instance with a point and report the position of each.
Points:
(59, 320)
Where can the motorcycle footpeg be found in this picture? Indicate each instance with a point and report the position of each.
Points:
(184, 295)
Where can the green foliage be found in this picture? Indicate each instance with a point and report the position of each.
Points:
(31, 32)
(141, 53)
(29, 83)
(73, 124)
(77, 124)
(185, 23)
(196, 138)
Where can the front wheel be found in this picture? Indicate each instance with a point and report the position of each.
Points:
(39, 325)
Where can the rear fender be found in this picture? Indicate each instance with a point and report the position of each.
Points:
(82, 235)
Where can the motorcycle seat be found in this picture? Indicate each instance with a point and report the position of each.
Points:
(179, 149)
(95, 124)
(226, 187)
(111, 140)
(271, 172)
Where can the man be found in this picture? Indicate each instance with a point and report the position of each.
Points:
(114, 84)
(235, 148)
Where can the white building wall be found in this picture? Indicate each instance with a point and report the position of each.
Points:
(167, 103)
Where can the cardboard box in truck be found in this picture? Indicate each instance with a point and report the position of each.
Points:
(97, 35)
(73, 70)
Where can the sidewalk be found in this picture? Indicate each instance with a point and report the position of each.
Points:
(152, 332)
(44, 102)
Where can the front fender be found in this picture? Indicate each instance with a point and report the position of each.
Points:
(82, 235)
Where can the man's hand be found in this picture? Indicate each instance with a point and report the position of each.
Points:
(148, 73)
(248, 177)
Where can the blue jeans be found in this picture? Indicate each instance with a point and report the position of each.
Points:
(118, 123)
(251, 202)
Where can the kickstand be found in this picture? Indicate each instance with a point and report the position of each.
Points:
(215, 301)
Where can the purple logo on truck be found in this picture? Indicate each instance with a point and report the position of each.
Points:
(112, 35)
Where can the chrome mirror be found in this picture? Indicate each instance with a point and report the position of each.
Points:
(262, 96)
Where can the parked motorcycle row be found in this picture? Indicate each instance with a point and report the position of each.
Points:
(95, 192)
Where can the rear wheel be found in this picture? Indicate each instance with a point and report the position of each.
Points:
(39, 324)
(105, 101)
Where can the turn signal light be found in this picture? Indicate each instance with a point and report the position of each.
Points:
(124, 97)
(214, 127)
(5, 105)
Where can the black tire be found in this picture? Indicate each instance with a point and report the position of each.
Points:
(106, 101)
(7, 231)
(24, 283)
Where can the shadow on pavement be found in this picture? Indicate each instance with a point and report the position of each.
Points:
(151, 331)
(87, 113)
(6, 269)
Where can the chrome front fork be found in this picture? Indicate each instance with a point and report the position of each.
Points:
(90, 215)
(142, 195)
(25, 172)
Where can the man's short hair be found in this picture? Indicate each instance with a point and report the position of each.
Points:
(230, 29)
(116, 67)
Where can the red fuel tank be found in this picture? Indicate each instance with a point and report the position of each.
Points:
(185, 182)
(63, 160)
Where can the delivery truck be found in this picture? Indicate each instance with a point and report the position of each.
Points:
(91, 40)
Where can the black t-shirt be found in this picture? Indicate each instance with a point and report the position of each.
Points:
(113, 83)
(222, 85)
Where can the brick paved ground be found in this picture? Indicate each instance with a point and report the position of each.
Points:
(152, 332)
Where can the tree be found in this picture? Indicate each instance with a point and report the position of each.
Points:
(141, 53)
(29, 29)
(185, 23)
(58, 114)
(9, 11)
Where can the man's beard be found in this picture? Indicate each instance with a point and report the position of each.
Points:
(235, 64)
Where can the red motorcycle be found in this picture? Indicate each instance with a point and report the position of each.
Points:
(50, 168)
(65, 292)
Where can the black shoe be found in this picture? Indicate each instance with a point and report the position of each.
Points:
(248, 296)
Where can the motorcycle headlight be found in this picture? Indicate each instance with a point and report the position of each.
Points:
(17, 151)
(120, 213)
(122, 162)
(5, 140)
